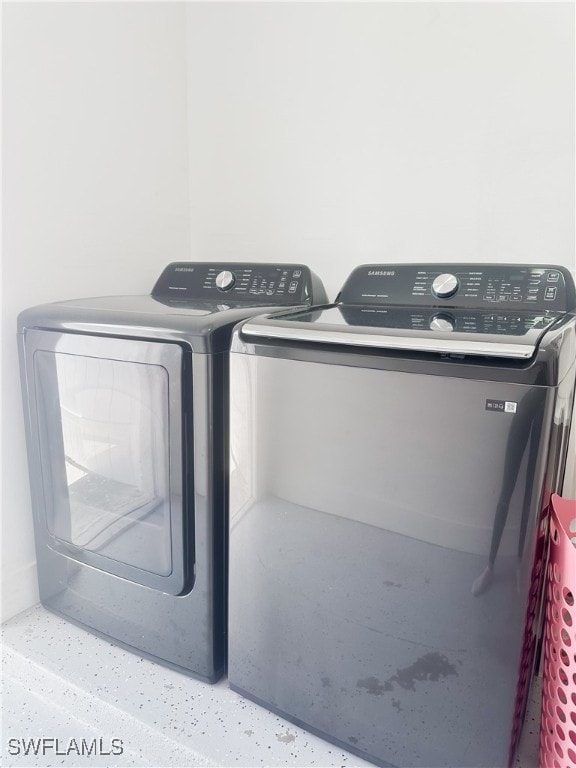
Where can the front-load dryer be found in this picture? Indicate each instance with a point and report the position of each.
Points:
(393, 455)
(126, 409)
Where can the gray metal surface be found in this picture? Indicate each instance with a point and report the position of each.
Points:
(206, 327)
(383, 531)
(142, 611)
(115, 501)
(411, 343)
(126, 403)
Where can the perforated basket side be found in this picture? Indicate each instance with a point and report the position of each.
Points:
(558, 726)
(531, 622)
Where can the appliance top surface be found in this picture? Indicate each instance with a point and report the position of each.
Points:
(459, 332)
(497, 323)
(190, 300)
(194, 315)
(203, 290)
(488, 310)
(148, 305)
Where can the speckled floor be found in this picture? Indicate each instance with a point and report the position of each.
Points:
(62, 683)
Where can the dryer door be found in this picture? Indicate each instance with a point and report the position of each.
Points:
(107, 417)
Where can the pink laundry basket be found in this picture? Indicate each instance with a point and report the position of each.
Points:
(558, 726)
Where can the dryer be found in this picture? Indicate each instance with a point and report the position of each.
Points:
(393, 457)
(126, 408)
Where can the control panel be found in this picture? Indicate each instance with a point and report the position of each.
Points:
(498, 286)
(235, 282)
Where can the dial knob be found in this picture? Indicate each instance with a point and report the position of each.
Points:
(225, 280)
(442, 323)
(445, 286)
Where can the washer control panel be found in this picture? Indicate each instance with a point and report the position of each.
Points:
(511, 286)
(237, 282)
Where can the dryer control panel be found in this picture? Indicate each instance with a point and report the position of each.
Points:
(239, 282)
(466, 286)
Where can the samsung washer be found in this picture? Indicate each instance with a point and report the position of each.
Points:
(393, 455)
(126, 406)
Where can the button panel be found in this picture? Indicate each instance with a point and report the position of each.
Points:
(255, 283)
(241, 282)
(487, 287)
(508, 286)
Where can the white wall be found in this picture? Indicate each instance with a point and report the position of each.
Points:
(343, 133)
(94, 188)
(329, 133)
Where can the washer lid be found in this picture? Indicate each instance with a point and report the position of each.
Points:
(487, 310)
(513, 335)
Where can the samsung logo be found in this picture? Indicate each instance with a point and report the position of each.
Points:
(381, 272)
(184, 269)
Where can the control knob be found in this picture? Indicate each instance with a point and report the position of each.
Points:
(225, 280)
(442, 323)
(445, 286)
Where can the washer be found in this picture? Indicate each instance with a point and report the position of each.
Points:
(393, 458)
(126, 406)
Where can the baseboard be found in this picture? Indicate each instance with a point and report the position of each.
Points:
(19, 590)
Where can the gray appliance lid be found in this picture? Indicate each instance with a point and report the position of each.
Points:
(488, 310)
(195, 303)
(204, 326)
(514, 335)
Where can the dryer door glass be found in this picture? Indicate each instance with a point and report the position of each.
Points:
(110, 453)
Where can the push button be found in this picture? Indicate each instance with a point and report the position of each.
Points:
(550, 293)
